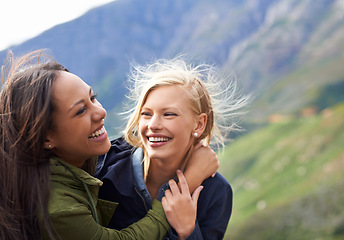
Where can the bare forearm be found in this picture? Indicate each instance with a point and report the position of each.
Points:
(203, 164)
(194, 178)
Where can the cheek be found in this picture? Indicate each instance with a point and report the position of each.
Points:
(185, 133)
(182, 131)
(142, 127)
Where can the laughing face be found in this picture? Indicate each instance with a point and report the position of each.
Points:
(167, 124)
(78, 130)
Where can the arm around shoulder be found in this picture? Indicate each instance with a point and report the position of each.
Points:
(76, 222)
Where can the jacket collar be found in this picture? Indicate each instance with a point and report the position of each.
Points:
(58, 167)
(136, 159)
(116, 167)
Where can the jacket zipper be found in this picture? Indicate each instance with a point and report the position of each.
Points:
(143, 200)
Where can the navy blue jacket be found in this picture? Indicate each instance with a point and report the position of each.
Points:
(121, 184)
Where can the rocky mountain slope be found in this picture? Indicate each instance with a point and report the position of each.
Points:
(268, 44)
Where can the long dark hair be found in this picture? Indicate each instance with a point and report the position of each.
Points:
(26, 108)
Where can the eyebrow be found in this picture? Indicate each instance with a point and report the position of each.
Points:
(80, 101)
(163, 109)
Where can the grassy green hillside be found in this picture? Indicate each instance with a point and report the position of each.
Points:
(288, 179)
(313, 84)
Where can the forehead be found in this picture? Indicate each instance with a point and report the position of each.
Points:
(69, 88)
(168, 96)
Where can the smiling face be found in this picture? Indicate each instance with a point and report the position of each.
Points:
(167, 124)
(78, 121)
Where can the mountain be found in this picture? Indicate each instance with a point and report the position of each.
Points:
(287, 53)
(287, 169)
(290, 184)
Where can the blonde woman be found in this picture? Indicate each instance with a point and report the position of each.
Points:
(176, 106)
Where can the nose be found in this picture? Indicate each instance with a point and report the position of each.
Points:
(154, 122)
(99, 113)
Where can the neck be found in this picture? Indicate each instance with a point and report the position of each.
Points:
(160, 172)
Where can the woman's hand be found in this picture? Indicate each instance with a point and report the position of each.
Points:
(180, 207)
(202, 164)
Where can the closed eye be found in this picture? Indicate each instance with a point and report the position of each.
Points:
(146, 114)
(170, 114)
(81, 111)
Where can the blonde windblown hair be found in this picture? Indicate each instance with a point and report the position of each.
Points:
(209, 92)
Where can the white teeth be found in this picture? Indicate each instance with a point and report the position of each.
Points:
(158, 139)
(97, 133)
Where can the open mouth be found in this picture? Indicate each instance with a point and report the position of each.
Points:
(158, 139)
(97, 133)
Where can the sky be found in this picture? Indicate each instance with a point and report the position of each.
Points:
(21, 20)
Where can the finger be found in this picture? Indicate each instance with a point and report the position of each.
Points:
(173, 188)
(164, 203)
(217, 160)
(195, 194)
(168, 195)
(182, 182)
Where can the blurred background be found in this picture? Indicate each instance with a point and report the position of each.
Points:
(286, 168)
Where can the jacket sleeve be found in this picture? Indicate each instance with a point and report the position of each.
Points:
(76, 222)
(195, 235)
(214, 209)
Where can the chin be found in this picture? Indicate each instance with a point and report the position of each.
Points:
(104, 150)
(154, 155)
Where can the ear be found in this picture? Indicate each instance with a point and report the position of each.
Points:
(201, 123)
(49, 143)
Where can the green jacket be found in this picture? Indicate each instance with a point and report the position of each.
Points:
(77, 213)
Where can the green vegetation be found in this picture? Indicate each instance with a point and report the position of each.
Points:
(286, 171)
(317, 84)
(288, 179)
